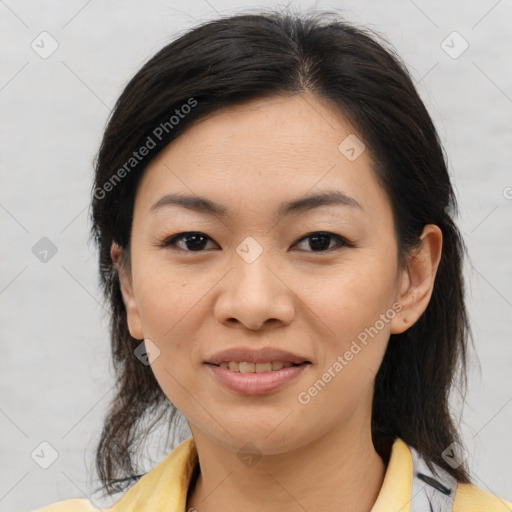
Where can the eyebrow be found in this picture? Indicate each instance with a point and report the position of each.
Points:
(204, 205)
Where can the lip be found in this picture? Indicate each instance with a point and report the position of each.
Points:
(256, 383)
(251, 355)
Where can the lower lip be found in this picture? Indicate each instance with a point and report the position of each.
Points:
(257, 383)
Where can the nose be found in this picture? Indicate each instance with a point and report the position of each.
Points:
(255, 293)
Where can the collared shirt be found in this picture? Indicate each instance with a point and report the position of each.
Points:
(408, 486)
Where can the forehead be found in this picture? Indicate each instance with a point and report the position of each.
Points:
(263, 151)
(300, 126)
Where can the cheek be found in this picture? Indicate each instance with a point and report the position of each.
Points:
(355, 302)
(350, 299)
(355, 305)
(173, 304)
(170, 300)
(171, 311)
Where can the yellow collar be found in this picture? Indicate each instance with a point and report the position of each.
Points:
(164, 488)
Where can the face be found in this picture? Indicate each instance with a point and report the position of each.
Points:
(319, 280)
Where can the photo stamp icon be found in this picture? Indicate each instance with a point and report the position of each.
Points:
(249, 250)
(249, 454)
(45, 45)
(44, 250)
(146, 352)
(351, 147)
(44, 455)
(454, 455)
(454, 45)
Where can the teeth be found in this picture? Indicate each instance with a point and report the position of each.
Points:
(244, 367)
(263, 367)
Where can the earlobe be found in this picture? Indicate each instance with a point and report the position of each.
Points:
(126, 286)
(417, 280)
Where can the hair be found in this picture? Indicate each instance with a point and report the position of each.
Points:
(355, 71)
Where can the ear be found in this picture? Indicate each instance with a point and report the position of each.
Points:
(416, 282)
(126, 285)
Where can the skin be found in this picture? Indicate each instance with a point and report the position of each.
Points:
(251, 158)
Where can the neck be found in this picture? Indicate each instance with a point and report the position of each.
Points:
(337, 471)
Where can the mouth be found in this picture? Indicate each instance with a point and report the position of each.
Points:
(260, 367)
(250, 359)
(246, 378)
(256, 371)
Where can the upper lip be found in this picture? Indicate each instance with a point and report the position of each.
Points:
(251, 355)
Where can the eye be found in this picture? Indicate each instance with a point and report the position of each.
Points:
(321, 241)
(192, 241)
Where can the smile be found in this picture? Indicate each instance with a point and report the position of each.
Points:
(245, 367)
(256, 378)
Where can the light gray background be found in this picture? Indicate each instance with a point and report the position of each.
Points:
(55, 374)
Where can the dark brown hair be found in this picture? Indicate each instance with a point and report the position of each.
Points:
(270, 53)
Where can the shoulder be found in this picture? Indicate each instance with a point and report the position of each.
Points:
(438, 490)
(70, 505)
(470, 498)
(163, 488)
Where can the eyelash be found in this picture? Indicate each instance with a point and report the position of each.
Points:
(342, 242)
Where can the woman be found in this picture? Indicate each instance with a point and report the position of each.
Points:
(275, 223)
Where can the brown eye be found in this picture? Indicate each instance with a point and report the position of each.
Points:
(189, 242)
(321, 241)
